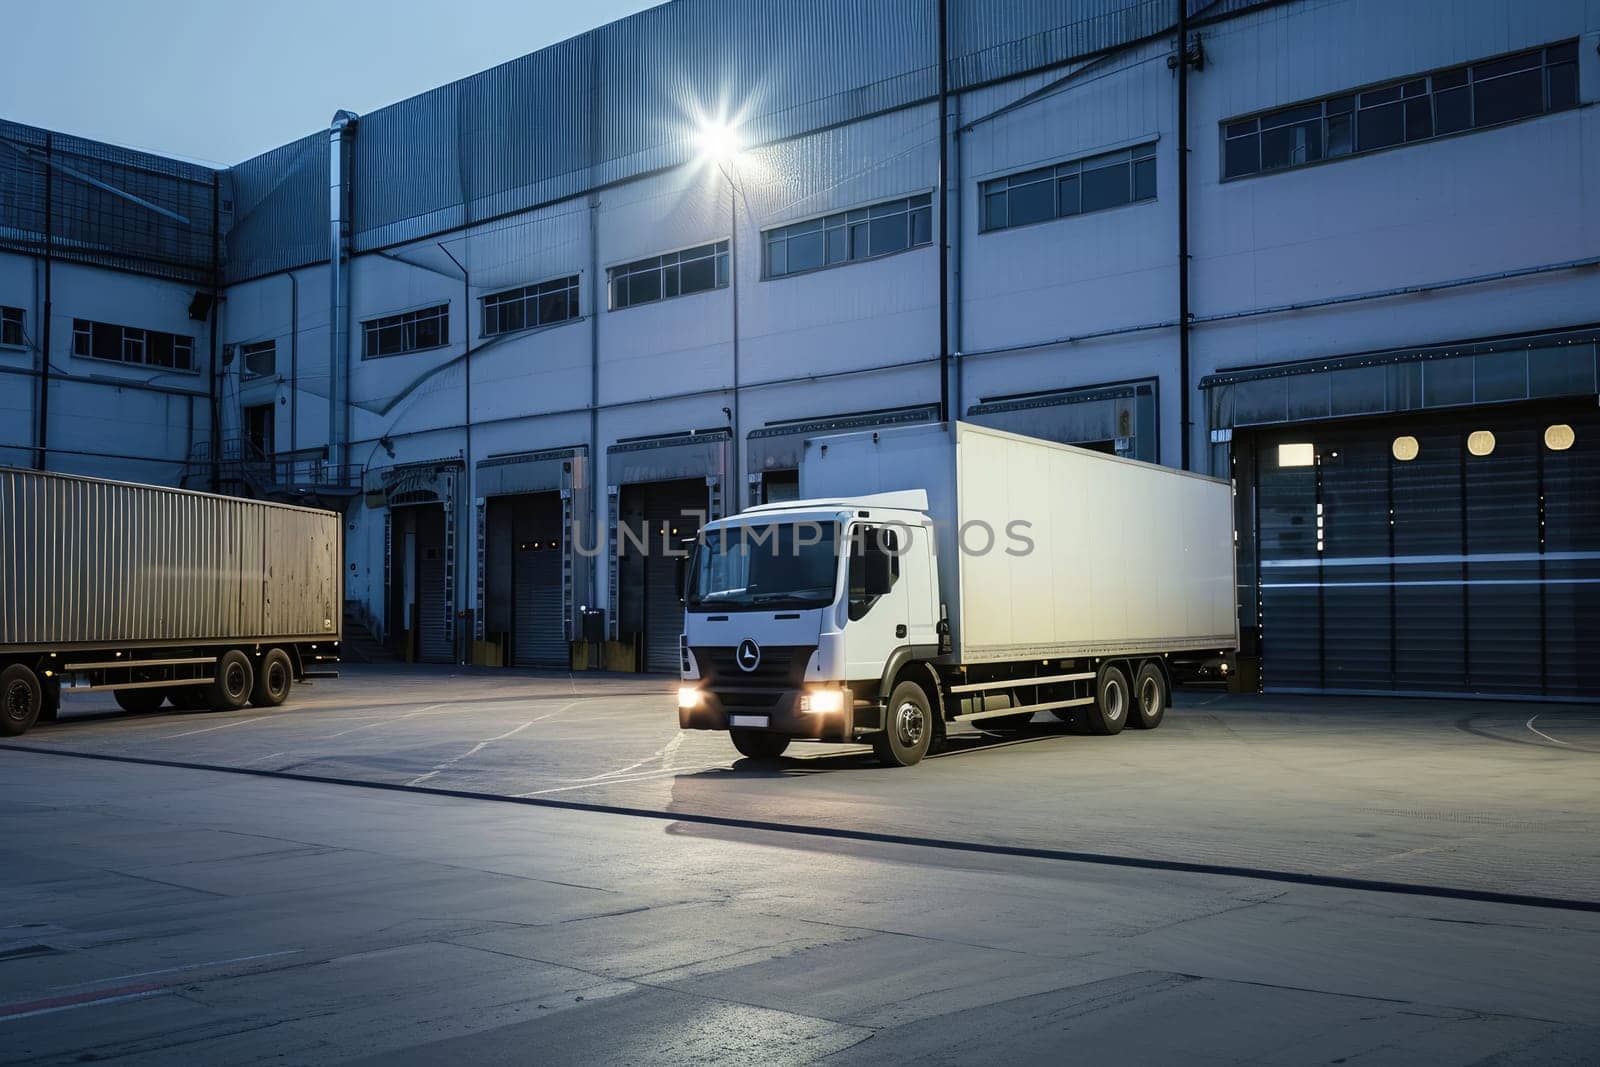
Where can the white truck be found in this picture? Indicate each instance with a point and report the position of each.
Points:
(950, 573)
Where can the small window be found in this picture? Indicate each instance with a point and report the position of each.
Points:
(409, 331)
(646, 281)
(844, 237)
(11, 326)
(258, 360)
(1480, 442)
(132, 344)
(1405, 448)
(1299, 454)
(531, 305)
(1109, 180)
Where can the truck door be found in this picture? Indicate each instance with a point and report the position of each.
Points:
(878, 601)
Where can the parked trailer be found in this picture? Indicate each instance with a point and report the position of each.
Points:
(159, 594)
(941, 574)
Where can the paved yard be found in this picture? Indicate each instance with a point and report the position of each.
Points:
(979, 906)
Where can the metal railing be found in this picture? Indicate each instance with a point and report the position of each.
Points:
(241, 463)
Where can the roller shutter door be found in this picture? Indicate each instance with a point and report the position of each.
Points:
(540, 638)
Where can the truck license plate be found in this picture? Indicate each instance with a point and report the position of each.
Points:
(748, 720)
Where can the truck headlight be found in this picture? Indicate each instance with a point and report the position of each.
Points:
(688, 696)
(822, 701)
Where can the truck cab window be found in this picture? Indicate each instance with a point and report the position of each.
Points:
(874, 567)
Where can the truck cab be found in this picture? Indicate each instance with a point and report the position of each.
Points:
(795, 614)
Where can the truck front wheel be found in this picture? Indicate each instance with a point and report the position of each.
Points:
(1109, 713)
(235, 678)
(908, 727)
(20, 700)
(758, 744)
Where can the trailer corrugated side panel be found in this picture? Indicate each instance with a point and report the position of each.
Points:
(90, 562)
(1126, 556)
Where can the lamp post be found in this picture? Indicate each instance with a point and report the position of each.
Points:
(719, 144)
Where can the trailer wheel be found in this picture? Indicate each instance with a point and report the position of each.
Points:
(758, 744)
(273, 679)
(235, 678)
(139, 700)
(908, 727)
(1109, 713)
(20, 700)
(1150, 697)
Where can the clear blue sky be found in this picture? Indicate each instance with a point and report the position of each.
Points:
(221, 80)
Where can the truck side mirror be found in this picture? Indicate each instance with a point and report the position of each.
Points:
(682, 563)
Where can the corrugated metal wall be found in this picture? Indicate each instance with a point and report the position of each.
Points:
(525, 133)
(92, 224)
(84, 561)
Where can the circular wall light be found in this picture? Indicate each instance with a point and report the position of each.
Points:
(1559, 437)
(1405, 448)
(1480, 442)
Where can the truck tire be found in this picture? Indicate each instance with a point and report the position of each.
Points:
(20, 700)
(235, 678)
(1109, 712)
(139, 700)
(758, 744)
(1150, 697)
(908, 727)
(274, 677)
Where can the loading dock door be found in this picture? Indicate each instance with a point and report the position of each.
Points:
(436, 637)
(1446, 554)
(539, 638)
(667, 514)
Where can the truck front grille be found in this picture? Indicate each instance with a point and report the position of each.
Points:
(781, 667)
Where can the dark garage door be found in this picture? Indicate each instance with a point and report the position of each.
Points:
(1454, 554)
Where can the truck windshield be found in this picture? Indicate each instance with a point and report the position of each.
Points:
(755, 568)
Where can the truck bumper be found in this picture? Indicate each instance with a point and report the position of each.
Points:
(779, 713)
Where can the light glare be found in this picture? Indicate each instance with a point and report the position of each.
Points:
(688, 697)
(717, 141)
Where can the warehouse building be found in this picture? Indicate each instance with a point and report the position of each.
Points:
(1343, 252)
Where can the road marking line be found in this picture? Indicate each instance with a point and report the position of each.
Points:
(208, 729)
(1541, 733)
(664, 754)
(481, 745)
(103, 995)
(665, 772)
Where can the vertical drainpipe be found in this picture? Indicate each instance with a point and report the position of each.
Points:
(944, 213)
(597, 294)
(294, 362)
(340, 133)
(734, 492)
(959, 403)
(39, 457)
(1185, 419)
(216, 313)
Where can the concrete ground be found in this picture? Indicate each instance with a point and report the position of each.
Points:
(1272, 879)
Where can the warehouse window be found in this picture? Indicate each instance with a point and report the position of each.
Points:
(694, 270)
(847, 236)
(11, 326)
(531, 305)
(130, 344)
(1076, 188)
(1414, 109)
(258, 360)
(409, 331)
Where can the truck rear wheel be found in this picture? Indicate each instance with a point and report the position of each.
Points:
(908, 727)
(235, 678)
(20, 700)
(758, 744)
(273, 679)
(1109, 713)
(1150, 698)
(139, 700)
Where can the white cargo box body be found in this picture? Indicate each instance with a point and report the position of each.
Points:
(1126, 557)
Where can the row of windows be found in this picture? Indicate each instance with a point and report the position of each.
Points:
(847, 236)
(1083, 185)
(409, 331)
(694, 270)
(11, 326)
(131, 344)
(1415, 109)
(530, 306)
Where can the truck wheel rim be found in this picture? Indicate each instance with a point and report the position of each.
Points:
(1150, 696)
(909, 721)
(18, 700)
(1114, 700)
(234, 678)
(275, 678)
